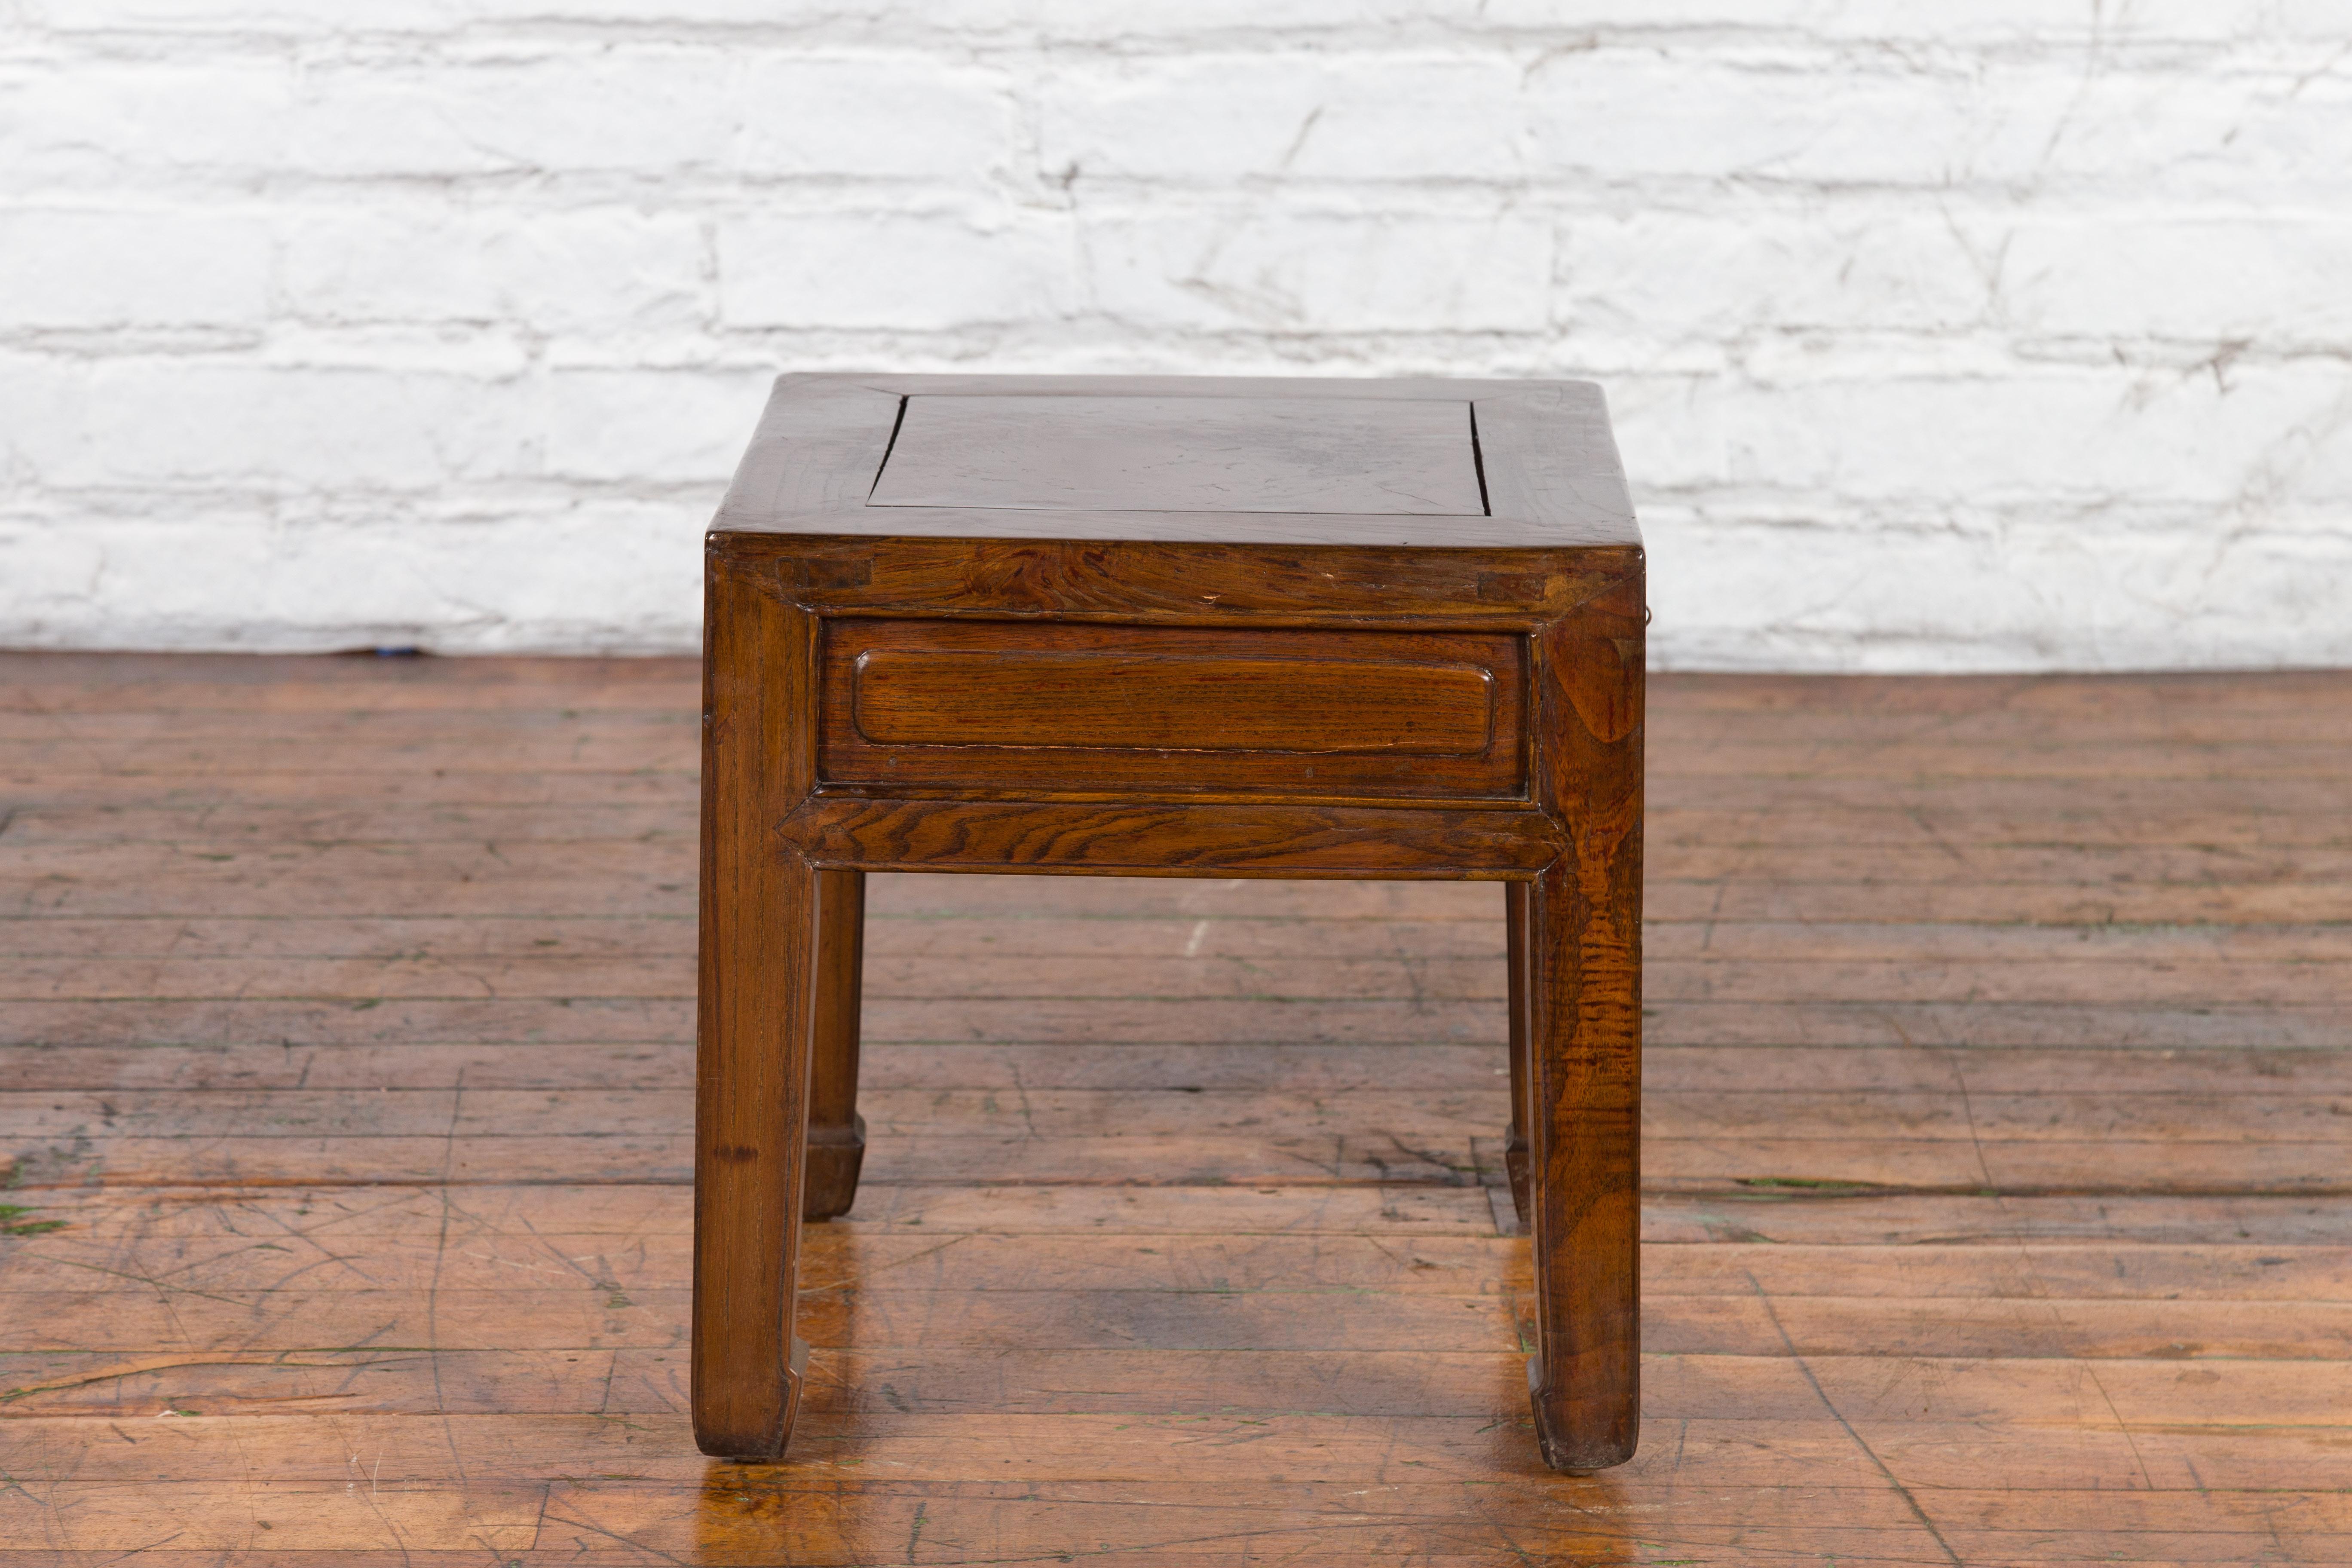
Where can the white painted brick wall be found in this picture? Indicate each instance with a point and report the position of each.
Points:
(1987, 334)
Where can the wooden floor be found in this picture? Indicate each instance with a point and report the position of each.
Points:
(1999, 1103)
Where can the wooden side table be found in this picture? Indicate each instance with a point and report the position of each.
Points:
(1169, 626)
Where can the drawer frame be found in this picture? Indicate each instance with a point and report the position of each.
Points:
(1013, 709)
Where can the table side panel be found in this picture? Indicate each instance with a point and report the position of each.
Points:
(1169, 711)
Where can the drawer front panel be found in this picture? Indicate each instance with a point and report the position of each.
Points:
(1033, 708)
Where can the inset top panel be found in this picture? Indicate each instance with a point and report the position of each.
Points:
(1223, 454)
(1425, 463)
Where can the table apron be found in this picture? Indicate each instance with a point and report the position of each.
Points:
(1170, 839)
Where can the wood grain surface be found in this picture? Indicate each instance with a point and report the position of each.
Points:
(1179, 746)
(755, 1017)
(1446, 465)
(1062, 710)
(1064, 452)
(1994, 1200)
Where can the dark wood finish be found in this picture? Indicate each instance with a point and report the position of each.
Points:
(1546, 461)
(1328, 620)
(1197, 453)
(1002, 692)
(1125, 838)
(1995, 1193)
(1582, 943)
(836, 1133)
(756, 1017)
(1069, 709)
(1181, 584)
(1518, 998)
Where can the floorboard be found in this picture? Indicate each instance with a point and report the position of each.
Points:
(1998, 1208)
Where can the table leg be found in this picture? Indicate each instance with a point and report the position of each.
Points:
(750, 1115)
(1584, 1088)
(1583, 937)
(836, 1134)
(756, 1016)
(1515, 1137)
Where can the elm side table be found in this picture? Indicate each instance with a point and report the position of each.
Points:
(1174, 627)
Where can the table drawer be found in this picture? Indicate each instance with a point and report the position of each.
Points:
(1031, 708)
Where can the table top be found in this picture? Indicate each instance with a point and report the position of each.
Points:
(1421, 463)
